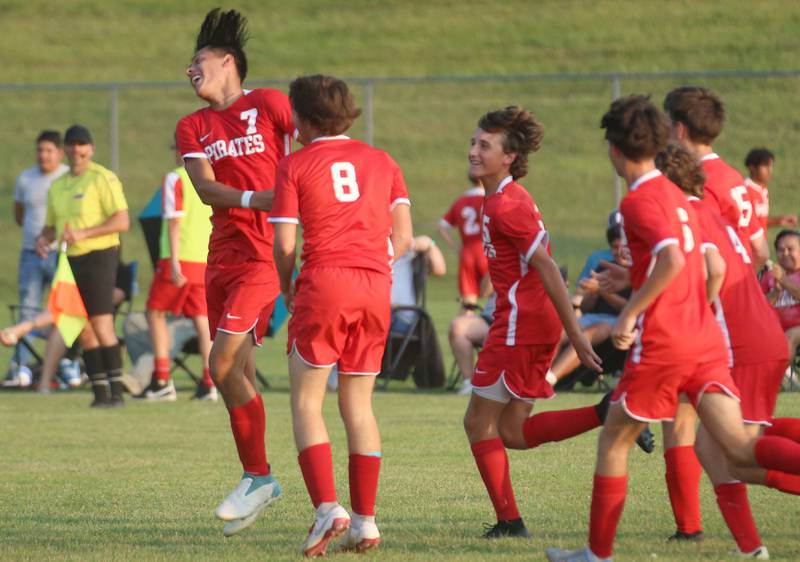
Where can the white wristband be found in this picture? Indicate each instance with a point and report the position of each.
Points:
(246, 196)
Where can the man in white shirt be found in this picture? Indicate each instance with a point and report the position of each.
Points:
(35, 273)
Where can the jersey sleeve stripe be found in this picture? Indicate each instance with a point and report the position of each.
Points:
(445, 224)
(287, 145)
(283, 219)
(400, 201)
(173, 214)
(194, 155)
(706, 245)
(539, 238)
(758, 234)
(663, 244)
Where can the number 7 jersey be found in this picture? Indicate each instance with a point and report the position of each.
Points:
(343, 192)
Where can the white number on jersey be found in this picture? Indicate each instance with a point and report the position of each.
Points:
(737, 244)
(488, 247)
(470, 217)
(250, 116)
(688, 237)
(345, 186)
(739, 194)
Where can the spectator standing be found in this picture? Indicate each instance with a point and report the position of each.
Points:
(86, 209)
(35, 272)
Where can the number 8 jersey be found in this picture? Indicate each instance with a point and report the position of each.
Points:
(243, 143)
(343, 191)
(679, 324)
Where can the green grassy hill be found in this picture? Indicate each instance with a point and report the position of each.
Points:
(426, 126)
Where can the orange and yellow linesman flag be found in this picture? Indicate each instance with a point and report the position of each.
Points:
(65, 302)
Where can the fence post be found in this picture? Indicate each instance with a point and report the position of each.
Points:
(113, 127)
(615, 94)
(368, 109)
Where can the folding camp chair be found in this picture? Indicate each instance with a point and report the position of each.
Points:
(412, 346)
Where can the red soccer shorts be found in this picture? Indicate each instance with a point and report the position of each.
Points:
(649, 392)
(472, 268)
(759, 385)
(341, 315)
(521, 369)
(241, 298)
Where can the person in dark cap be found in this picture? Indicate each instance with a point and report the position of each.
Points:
(86, 211)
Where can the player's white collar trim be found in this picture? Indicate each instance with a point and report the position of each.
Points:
(474, 191)
(507, 180)
(693, 198)
(710, 156)
(646, 177)
(337, 137)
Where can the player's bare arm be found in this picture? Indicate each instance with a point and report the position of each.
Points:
(715, 269)
(285, 250)
(669, 263)
(219, 195)
(402, 231)
(760, 252)
(118, 222)
(557, 291)
(444, 232)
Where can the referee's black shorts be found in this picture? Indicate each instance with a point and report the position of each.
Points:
(96, 275)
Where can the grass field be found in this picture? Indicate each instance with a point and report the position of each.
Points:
(141, 483)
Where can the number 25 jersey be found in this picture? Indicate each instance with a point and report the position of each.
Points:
(343, 192)
(243, 143)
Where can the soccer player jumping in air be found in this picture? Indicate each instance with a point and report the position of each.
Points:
(532, 306)
(675, 342)
(352, 202)
(231, 149)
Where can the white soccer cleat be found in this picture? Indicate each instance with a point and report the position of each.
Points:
(238, 525)
(248, 497)
(362, 537)
(759, 553)
(582, 555)
(330, 525)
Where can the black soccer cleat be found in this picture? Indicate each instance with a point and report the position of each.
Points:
(510, 528)
(602, 407)
(646, 440)
(680, 536)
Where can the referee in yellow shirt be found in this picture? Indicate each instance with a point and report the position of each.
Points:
(87, 209)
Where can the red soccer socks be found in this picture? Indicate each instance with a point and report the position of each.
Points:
(778, 453)
(785, 427)
(608, 500)
(735, 507)
(683, 484)
(248, 424)
(787, 483)
(161, 369)
(492, 460)
(559, 425)
(316, 464)
(364, 471)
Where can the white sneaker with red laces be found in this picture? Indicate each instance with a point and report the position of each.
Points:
(363, 535)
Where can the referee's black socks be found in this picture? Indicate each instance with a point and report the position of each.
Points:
(93, 361)
(112, 362)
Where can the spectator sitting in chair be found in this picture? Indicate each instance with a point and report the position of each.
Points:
(403, 291)
(468, 332)
(781, 284)
(179, 282)
(599, 309)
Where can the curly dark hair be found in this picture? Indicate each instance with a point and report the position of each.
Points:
(522, 134)
(699, 109)
(682, 168)
(759, 157)
(636, 127)
(226, 32)
(325, 102)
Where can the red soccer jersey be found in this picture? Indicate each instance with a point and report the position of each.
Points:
(678, 326)
(465, 214)
(243, 144)
(726, 194)
(748, 322)
(760, 197)
(343, 191)
(512, 231)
